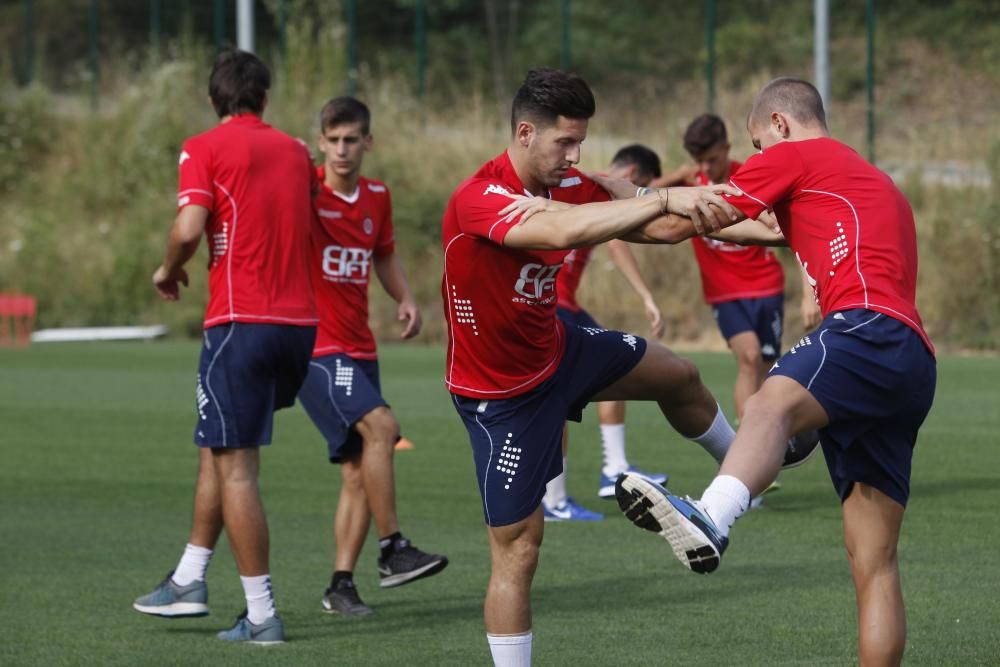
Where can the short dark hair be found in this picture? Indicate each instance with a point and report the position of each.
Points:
(704, 132)
(796, 97)
(548, 93)
(345, 109)
(239, 83)
(644, 158)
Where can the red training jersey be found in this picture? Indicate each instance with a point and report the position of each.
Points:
(500, 303)
(256, 183)
(349, 233)
(570, 275)
(851, 228)
(730, 271)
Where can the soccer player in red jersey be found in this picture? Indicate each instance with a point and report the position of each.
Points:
(515, 371)
(640, 165)
(342, 392)
(247, 188)
(744, 285)
(865, 377)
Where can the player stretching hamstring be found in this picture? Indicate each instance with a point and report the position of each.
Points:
(865, 377)
(342, 390)
(515, 371)
(639, 165)
(247, 187)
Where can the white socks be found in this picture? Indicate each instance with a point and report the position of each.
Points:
(725, 500)
(193, 564)
(613, 443)
(260, 599)
(510, 650)
(555, 491)
(718, 437)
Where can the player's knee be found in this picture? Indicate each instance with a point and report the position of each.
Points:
(379, 426)
(749, 357)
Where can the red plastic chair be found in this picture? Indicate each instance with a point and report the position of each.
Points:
(17, 318)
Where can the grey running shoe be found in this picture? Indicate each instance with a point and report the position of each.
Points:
(173, 601)
(682, 522)
(344, 599)
(408, 563)
(270, 631)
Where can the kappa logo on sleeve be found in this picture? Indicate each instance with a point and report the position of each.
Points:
(494, 189)
(184, 156)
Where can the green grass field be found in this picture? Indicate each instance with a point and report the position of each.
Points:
(96, 474)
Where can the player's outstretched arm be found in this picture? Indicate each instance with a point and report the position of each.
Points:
(623, 258)
(390, 273)
(751, 232)
(693, 211)
(182, 243)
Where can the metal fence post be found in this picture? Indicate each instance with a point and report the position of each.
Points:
(352, 47)
(710, 52)
(92, 27)
(870, 24)
(565, 54)
(420, 39)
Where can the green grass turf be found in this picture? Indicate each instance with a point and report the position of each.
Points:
(96, 473)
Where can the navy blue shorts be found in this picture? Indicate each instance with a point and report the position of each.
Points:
(580, 318)
(337, 393)
(875, 378)
(517, 442)
(765, 317)
(246, 372)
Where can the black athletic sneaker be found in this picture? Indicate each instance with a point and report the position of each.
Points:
(408, 563)
(800, 448)
(344, 599)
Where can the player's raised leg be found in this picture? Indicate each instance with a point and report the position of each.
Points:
(675, 384)
(871, 532)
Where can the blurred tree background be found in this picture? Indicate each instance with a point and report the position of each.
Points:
(97, 95)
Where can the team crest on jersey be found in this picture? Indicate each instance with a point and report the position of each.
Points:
(494, 189)
(368, 226)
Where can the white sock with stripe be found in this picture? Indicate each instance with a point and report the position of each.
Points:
(260, 598)
(613, 444)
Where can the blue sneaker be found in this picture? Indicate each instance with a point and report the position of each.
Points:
(606, 488)
(680, 521)
(173, 601)
(570, 511)
(270, 631)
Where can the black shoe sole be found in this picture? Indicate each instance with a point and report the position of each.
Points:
(401, 579)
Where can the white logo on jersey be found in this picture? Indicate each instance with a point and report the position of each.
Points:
(340, 262)
(184, 156)
(324, 213)
(496, 190)
(536, 279)
(368, 226)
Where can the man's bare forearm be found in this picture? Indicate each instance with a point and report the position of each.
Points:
(584, 225)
